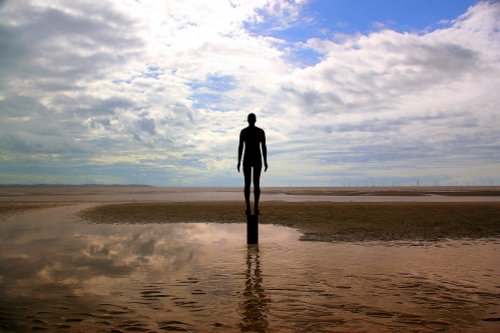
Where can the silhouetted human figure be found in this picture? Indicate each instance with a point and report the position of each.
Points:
(252, 138)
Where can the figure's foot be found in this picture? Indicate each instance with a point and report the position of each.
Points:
(257, 211)
(248, 212)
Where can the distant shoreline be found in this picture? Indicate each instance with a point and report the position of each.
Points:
(320, 214)
(138, 193)
(364, 187)
(291, 189)
(71, 185)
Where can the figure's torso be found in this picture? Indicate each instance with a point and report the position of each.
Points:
(252, 137)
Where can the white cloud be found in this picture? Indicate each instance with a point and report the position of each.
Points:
(389, 97)
(91, 85)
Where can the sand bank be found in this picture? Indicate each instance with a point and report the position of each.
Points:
(288, 194)
(8, 209)
(326, 221)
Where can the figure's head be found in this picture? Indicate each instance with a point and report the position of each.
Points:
(252, 118)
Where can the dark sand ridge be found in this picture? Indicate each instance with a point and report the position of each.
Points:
(326, 221)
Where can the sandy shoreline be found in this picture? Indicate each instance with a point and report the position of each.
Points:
(8, 209)
(373, 266)
(126, 194)
(326, 221)
(324, 214)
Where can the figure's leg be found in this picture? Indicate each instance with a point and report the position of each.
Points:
(247, 171)
(256, 186)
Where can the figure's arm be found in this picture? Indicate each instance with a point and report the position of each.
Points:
(264, 150)
(240, 150)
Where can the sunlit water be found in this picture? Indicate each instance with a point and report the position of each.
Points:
(58, 273)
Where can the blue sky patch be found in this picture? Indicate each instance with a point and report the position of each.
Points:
(153, 72)
(209, 93)
(304, 56)
(328, 17)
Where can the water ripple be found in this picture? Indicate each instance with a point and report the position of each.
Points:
(203, 278)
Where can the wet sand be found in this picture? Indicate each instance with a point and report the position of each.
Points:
(122, 260)
(8, 209)
(359, 214)
(288, 194)
(60, 273)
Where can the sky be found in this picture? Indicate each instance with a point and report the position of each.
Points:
(349, 93)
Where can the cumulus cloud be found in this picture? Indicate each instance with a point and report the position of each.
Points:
(408, 103)
(156, 92)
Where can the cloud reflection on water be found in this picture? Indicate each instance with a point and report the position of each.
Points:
(58, 271)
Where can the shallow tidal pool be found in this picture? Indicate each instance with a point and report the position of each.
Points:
(60, 273)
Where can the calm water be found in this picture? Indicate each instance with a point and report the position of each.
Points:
(58, 273)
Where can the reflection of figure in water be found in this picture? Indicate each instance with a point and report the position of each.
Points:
(255, 301)
(252, 138)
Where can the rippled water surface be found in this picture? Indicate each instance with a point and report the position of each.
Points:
(58, 273)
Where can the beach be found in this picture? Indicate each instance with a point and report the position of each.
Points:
(326, 221)
(321, 214)
(144, 259)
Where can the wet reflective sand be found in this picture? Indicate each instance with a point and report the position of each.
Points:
(288, 194)
(58, 273)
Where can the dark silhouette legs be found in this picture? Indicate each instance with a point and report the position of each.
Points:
(256, 187)
(247, 171)
(248, 178)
